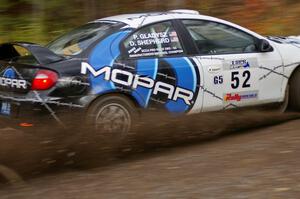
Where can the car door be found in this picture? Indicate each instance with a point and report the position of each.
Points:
(235, 73)
(165, 76)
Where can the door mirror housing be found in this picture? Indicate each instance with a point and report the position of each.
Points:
(264, 46)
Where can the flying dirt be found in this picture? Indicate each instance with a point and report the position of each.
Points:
(208, 156)
(32, 153)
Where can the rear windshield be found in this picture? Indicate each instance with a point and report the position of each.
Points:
(24, 56)
(81, 38)
(17, 54)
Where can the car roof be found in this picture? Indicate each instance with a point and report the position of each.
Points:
(138, 20)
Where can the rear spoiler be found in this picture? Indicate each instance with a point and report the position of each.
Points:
(41, 54)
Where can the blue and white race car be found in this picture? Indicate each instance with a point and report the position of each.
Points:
(180, 61)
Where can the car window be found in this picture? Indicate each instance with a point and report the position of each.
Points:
(159, 39)
(216, 38)
(22, 56)
(80, 39)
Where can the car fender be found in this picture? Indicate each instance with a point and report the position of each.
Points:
(290, 54)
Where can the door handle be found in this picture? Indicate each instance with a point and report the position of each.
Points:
(214, 69)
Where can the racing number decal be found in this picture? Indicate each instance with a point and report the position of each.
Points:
(218, 80)
(235, 79)
(247, 76)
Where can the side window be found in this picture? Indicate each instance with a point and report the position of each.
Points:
(214, 38)
(154, 40)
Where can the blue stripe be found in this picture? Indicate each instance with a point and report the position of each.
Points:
(104, 54)
(145, 68)
(186, 78)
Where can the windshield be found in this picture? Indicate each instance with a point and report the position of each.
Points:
(81, 38)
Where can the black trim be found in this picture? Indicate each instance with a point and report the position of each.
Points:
(185, 38)
(198, 79)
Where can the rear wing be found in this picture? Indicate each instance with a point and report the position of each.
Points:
(42, 55)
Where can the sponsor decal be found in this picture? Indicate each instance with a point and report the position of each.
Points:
(153, 44)
(9, 79)
(240, 64)
(229, 97)
(236, 64)
(128, 79)
(180, 72)
(214, 70)
(5, 108)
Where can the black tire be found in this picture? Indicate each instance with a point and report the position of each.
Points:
(283, 107)
(294, 96)
(112, 118)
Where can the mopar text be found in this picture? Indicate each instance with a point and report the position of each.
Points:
(134, 81)
(13, 83)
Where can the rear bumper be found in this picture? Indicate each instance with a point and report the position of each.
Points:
(17, 111)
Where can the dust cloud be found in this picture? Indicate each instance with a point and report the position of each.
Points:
(36, 152)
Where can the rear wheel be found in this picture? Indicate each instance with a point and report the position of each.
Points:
(112, 117)
(294, 95)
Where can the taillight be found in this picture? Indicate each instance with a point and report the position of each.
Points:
(44, 80)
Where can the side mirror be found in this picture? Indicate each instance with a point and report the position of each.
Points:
(264, 46)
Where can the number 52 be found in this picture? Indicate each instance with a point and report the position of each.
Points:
(235, 79)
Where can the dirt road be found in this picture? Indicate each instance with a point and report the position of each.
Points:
(262, 163)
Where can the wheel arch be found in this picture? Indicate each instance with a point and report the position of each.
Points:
(290, 75)
(287, 86)
(109, 94)
(293, 72)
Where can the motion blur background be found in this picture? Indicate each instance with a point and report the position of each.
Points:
(40, 21)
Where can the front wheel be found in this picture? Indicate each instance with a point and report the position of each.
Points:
(112, 117)
(294, 95)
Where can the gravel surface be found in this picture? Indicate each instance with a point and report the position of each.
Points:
(260, 163)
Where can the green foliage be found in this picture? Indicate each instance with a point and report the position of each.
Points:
(40, 20)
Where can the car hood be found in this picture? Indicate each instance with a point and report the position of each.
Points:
(293, 40)
(289, 49)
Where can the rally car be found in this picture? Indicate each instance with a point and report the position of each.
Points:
(106, 71)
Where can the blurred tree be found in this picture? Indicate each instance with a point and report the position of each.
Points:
(41, 20)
